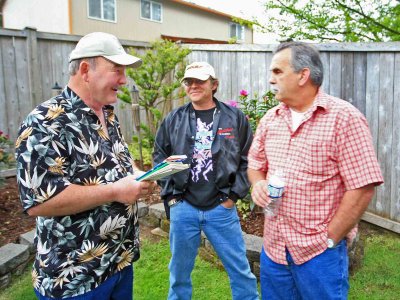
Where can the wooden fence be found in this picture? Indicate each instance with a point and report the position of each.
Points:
(367, 75)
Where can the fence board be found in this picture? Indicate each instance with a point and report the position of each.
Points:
(242, 73)
(347, 77)
(260, 74)
(372, 102)
(385, 131)
(360, 66)
(10, 85)
(224, 89)
(24, 100)
(325, 63)
(395, 166)
(335, 74)
(3, 99)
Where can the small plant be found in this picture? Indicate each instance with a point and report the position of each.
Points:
(245, 206)
(6, 155)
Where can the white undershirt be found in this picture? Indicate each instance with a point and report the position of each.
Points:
(297, 118)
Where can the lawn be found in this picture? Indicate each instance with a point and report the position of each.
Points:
(377, 279)
(151, 278)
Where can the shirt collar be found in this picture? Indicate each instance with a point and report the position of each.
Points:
(78, 103)
(320, 102)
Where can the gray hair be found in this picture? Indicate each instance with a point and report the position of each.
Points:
(305, 56)
(73, 66)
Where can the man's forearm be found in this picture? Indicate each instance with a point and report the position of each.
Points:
(255, 175)
(74, 199)
(351, 208)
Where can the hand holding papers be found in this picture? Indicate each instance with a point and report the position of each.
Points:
(169, 166)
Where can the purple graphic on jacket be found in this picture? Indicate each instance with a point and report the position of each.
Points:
(202, 157)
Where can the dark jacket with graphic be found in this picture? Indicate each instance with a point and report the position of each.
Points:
(232, 140)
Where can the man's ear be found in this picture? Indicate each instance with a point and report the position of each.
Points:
(304, 76)
(215, 85)
(84, 70)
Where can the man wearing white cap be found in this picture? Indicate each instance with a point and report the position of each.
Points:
(216, 138)
(76, 176)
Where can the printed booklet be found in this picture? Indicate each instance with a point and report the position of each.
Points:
(169, 166)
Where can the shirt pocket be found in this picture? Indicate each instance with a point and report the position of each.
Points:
(318, 158)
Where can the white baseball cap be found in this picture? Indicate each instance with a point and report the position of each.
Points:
(105, 45)
(199, 70)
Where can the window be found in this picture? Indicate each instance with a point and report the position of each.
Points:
(151, 10)
(102, 9)
(237, 31)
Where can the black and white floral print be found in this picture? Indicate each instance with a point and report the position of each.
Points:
(62, 142)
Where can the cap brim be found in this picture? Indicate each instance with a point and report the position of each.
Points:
(189, 74)
(125, 60)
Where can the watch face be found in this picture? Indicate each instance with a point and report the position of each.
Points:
(331, 243)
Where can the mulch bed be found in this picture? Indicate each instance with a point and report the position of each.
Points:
(12, 219)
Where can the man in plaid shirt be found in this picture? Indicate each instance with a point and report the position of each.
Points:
(324, 147)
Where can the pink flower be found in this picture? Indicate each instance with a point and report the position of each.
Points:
(244, 93)
(232, 103)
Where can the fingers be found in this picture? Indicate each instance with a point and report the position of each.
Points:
(147, 187)
(259, 193)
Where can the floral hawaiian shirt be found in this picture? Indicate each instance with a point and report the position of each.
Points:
(62, 142)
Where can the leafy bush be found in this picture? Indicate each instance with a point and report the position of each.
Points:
(6, 155)
(157, 80)
(146, 150)
(254, 108)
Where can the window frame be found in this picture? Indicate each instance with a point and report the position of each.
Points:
(102, 12)
(151, 11)
(242, 28)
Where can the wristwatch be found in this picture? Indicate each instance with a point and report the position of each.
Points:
(331, 243)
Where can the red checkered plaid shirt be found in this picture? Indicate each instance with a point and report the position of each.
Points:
(330, 153)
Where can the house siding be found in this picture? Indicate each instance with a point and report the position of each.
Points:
(178, 20)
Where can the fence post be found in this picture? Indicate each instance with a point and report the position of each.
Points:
(33, 66)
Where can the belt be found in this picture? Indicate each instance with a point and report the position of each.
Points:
(173, 201)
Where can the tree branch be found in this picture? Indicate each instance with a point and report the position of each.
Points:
(361, 13)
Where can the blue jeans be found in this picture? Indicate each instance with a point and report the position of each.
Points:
(323, 277)
(222, 228)
(118, 287)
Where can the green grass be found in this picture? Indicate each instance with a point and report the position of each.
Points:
(151, 278)
(378, 278)
(21, 288)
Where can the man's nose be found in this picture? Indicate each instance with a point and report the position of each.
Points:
(271, 80)
(123, 80)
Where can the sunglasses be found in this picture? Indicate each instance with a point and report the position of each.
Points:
(190, 81)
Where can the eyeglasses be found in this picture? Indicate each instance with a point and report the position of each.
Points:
(190, 81)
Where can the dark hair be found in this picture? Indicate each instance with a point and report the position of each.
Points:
(305, 56)
(213, 80)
